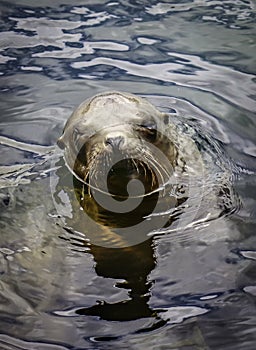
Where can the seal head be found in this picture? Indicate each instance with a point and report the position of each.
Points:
(117, 128)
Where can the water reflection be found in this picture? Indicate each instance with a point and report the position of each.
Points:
(131, 265)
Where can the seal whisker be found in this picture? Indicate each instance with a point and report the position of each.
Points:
(156, 165)
(135, 164)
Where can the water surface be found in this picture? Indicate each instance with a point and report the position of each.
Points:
(193, 59)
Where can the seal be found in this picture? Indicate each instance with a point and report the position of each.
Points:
(115, 138)
(111, 141)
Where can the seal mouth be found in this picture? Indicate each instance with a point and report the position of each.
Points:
(121, 173)
(110, 167)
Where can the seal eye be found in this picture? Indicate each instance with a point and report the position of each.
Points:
(148, 131)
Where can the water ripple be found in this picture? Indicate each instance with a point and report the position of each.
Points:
(188, 71)
(11, 343)
(193, 59)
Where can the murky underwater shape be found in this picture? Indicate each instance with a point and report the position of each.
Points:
(178, 289)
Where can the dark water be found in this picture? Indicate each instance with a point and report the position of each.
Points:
(193, 59)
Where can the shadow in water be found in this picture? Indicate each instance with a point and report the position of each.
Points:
(132, 265)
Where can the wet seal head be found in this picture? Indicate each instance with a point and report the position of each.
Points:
(114, 132)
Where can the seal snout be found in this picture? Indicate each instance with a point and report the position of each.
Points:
(115, 142)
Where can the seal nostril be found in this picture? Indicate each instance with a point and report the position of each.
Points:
(115, 142)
